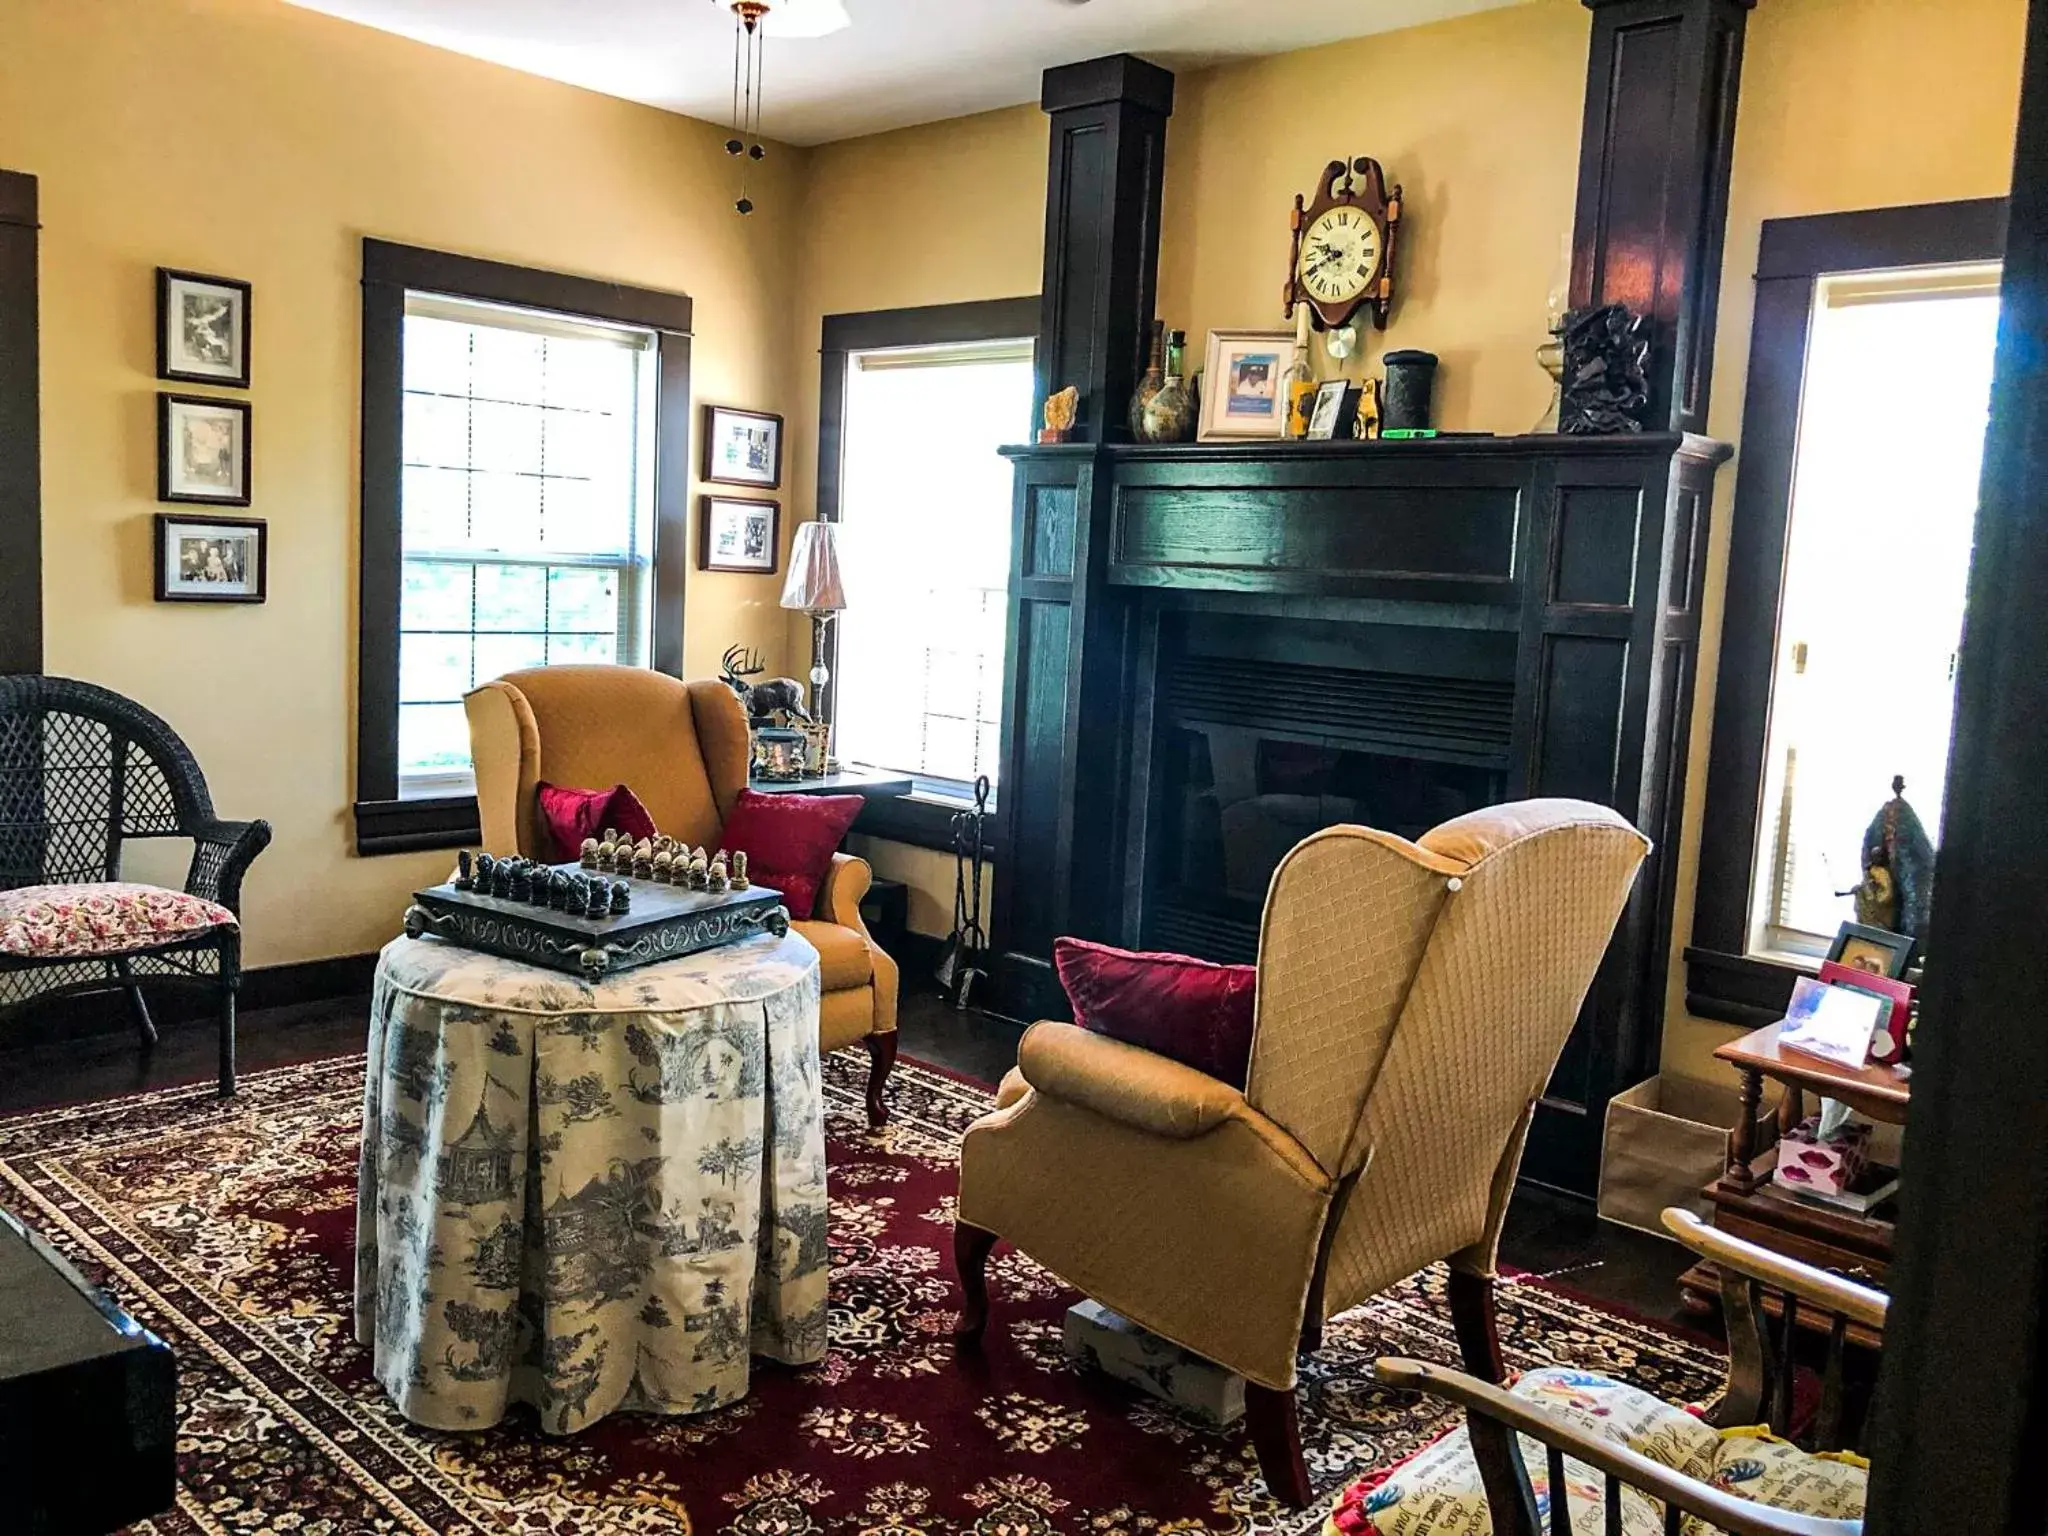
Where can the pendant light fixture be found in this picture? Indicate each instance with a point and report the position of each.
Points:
(751, 24)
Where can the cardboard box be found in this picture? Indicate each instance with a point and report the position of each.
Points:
(1666, 1140)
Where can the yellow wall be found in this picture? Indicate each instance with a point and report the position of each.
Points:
(1821, 130)
(253, 139)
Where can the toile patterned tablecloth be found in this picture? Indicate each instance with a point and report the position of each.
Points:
(589, 1197)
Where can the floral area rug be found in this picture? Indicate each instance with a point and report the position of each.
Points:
(228, 1229)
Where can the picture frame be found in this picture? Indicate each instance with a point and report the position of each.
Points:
(202, 328)
(1877, 951)
(211, 559)
(202, 450)
(1888, 1042)
(736, 534)
(742, 448)
(1243, 393)
(1335, 411)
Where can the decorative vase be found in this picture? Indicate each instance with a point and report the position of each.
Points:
(1411, 379)
(1163, 410)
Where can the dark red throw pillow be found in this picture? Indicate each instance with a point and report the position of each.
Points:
(1192, 1011)
(571, 815)
(789, 841)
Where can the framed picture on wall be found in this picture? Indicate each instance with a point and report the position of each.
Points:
(736, 535)
(202, 328)
(1242, 393)
(211, 559)
(202, 450)
(742, 447)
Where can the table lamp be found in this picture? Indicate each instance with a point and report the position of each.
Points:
(814, 587)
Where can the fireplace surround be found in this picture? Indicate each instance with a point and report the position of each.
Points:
(1216, 649)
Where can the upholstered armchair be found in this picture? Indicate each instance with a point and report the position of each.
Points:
(682, 749)
(1412, 1000)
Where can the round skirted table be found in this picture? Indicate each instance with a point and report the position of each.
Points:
(589, 1197)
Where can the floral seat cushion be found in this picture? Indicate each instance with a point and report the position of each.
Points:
(1438, 1490)
(45, 922)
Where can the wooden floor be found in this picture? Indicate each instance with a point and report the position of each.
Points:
(1547, 1234)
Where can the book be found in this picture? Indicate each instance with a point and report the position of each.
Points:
(1877, 1185)
(1832, 1022)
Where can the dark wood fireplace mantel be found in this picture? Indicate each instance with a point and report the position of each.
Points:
(1521, 609)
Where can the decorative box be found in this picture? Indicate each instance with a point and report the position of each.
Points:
(665, 922)
(1809, 1164)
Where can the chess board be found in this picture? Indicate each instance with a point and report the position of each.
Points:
(666, 922)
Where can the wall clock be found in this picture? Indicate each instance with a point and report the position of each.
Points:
(1344, 245)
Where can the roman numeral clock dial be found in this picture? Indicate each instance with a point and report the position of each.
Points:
(1344, 246)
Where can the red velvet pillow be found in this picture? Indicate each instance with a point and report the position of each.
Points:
(789, 841)
(571, 815)
(1192, 1011)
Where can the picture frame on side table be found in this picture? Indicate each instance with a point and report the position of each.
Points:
(735, 534)
(202, 328)
(1244, 396)
(742, 448)
(1876, 950)
(211, 559)
(202, 450)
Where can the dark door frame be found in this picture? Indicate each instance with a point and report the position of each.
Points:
(1960, 1434)
(1722, 980)
(21, 500)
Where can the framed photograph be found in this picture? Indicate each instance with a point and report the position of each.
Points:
(742, 447)
(202, 328)
(1888, 1044)
(210, 559)
(739, 535)
(202, 450)
(1242, 392)
(1335, 410)
(1873, 950)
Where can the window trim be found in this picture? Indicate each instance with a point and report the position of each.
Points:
(21, 513)
(386, 821)
(923, 823)
(1724, 981)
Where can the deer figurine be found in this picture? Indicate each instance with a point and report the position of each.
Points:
(762, 701)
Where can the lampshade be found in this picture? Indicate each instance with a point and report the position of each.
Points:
(814, 584)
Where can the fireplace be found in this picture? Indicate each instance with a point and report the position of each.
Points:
(1268, 729)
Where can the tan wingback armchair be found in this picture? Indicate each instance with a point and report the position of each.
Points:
(1412, 1001)
(682, 749)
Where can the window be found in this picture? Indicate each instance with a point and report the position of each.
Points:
(925, 503)
(525, 448)
(1854, 513)
(1876, 565)
(526, 509)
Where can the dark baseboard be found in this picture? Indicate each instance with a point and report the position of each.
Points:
(174, 1002)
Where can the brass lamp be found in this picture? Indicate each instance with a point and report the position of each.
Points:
(814, 587)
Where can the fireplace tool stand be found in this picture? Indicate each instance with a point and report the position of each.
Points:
(961, 967)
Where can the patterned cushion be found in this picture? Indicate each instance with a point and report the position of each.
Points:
(1438, 1491)
(46, 921)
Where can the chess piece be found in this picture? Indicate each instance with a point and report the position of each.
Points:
(717, 879)
(664, 867)
(622, 897)
(739, 869)
(593, 898)
(589, 853)
(518, 883)
(465, 879)
(558, 892)
(607, 850)
(700, 872)
(611, 835)
(501, 880)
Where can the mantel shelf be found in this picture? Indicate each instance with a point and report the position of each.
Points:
(1689, 446)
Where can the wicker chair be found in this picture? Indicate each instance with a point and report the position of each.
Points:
(83, 770)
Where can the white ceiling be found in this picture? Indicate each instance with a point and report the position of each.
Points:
(901, 62)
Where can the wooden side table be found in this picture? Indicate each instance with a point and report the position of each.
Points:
(1746, 1204)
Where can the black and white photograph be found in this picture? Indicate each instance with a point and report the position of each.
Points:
(1336, 410)
(740, 536)
(742, 447)
(210, 560)
(202, 449)
(202, 328)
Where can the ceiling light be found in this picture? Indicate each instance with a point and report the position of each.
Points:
(752, 21)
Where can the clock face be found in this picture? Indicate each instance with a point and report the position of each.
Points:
(1339, 255)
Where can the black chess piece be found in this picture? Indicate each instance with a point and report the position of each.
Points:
(622, 897)
(465, 880)
(543, 885)
(597, 898)
(558, 892)
(519, 885)
(501, 880)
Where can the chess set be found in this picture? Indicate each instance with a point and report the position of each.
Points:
(624, 904)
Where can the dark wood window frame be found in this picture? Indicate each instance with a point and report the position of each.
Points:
(1723, 981)
(387, 822)
(21, 508)
(923, 822)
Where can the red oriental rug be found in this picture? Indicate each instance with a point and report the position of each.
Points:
(228, 1230)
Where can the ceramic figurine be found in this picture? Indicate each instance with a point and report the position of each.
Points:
(588, 857)
(739, 870)
(622, 897)
(465, 880)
